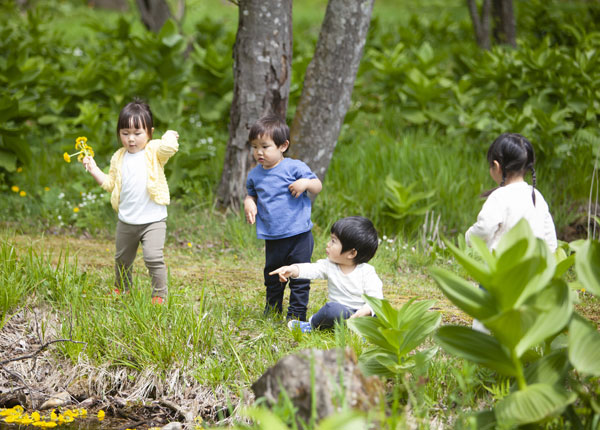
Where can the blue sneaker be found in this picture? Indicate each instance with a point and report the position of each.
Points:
(304, 326)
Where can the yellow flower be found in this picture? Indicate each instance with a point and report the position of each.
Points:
(15, 189)
(22, 193)
(100, 415)
(53, 415)
(67, 157)
(35, 416)
(75, 209)
(46, 188)
(80, 142)
(189, 244)
(19, 169)
(583, 290)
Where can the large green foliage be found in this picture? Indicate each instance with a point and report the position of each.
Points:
(525, 305)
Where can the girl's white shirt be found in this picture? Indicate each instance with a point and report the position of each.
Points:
(505, 207)
(135, 206)
(345, 289)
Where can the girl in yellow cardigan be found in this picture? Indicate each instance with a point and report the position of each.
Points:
(140, 195)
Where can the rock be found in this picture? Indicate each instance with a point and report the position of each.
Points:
(57, 400)
(174, 425)
(331, 368)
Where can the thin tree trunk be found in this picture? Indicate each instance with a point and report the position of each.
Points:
(262, 70)
(505, 29)
(328, 83)
(154, 13)
(481, 23)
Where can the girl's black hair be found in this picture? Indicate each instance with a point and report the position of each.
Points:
(272, 126)
(137, 114)
(515, 155)
(357, 232)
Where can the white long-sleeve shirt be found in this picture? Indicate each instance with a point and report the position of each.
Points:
(345, 289)
(505, 207)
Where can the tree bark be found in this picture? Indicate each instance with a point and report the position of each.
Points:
(154, 13)
(328, 83)
(505, 29)
(481, 23)
(262, 71)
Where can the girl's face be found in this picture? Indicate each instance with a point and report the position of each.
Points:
(134, 139)
(496, 172)
(266, 153)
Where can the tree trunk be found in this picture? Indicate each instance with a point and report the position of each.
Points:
(505, 30)
(262, 70)
(481, 23)
(154, 13)
(328, 83)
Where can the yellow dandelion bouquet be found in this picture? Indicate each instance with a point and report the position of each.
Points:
(84, 150)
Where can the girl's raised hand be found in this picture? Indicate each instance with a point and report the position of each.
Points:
(173, 132)
(89, 163)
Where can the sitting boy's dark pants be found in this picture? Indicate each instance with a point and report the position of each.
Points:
(329, 314)
(283, 252)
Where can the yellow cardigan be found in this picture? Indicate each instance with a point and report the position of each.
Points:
(157, 152)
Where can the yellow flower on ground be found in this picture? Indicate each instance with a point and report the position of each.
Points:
(22, 193)
(19, 169)
(75, 209)
(53, 415)
(67, 157)
(35, 416)
(15, 189)
(101, 415)
(189, 244)
(46, 188)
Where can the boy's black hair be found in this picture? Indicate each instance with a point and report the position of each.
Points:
(137, 114)
(272, 126)
(515, 155)
(357, 232)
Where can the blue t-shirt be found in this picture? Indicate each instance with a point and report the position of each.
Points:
(280, 214)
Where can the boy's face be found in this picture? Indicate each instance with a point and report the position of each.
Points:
(335, 254)
(134, 139)
(266, 153)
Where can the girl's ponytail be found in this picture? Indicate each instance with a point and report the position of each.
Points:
(533, 182)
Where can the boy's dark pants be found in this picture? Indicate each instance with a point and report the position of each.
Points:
(283, 252)
(329, 314)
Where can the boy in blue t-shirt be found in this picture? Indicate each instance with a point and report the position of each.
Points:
(278, 202)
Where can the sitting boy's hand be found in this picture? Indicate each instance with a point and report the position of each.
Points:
(285, 272)
(299, 186)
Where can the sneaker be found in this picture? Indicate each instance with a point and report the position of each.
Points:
(304, 326)
(156, 300)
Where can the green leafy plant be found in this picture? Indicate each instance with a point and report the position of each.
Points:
(395, 335)
(525, 306)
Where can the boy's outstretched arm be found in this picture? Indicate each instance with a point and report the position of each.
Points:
(313, 186)
(250, 209)
(90, 166)
(286, 272)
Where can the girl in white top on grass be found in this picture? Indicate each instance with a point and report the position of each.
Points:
(510, 158)
(139, 194)
(352, 244)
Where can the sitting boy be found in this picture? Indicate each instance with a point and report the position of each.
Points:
(352, 244)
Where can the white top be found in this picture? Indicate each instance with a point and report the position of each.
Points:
(345, 289)
(135, 206)
(505, 207)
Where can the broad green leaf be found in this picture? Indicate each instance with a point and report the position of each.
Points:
(584, 346)
(510, 326)
(382, 309)
(345, 420)
(554, 308)
(480, 246)
(465, 295)
(563, 265)
(587, 266)
(550, 369)
(484, 420)
(533, 403)
(476, 347)
(369, 328)
(266, 419)
(478, 271)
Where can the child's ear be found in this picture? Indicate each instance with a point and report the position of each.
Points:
(352, 254)
(284, 146)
